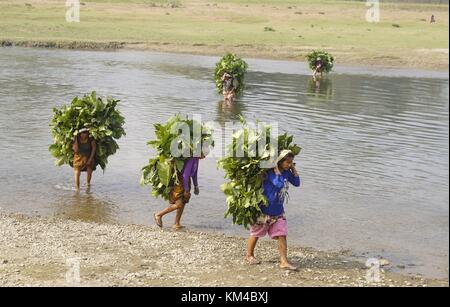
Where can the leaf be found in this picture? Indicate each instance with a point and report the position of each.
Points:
(179, 164)
(164, 172)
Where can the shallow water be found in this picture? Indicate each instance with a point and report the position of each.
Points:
(374, 163)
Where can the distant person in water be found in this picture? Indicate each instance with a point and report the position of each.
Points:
(229, 87)
(84, 149)
(317, 73)
(432, 19)
(181, 193)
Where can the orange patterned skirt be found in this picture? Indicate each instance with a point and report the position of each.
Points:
(80, 163)
(177, 192)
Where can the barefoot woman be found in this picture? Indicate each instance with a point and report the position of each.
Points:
(84, 148)
(181, 192)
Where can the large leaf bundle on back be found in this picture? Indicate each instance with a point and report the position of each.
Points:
(162, 171)
(245, 174)
(327, 60)
(104, 121)
(234, 66)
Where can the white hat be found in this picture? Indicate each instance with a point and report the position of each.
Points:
(283, 154)
(82, 130)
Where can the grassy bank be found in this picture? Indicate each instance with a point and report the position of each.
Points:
(279, 29)
(38, 251)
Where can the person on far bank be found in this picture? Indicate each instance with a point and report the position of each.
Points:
(84, 149)
(272, 220)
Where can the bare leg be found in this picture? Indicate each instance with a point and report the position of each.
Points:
(282, 247)
(77, 174)
(180, 210)
(170, 208)
(89, 172)
(225, 98)
(231, 98)
(251, 244)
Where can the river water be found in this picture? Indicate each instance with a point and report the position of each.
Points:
(374, 163)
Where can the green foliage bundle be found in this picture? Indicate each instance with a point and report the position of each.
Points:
(162, 171)
(234, 66)
(104, 121)
(327, 59)
(244, 189)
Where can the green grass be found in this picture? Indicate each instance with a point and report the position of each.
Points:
(339, 26)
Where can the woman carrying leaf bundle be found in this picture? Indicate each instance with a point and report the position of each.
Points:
(229, 87)
(318, 70)
(180, 144)
(272, 220)
(84, 149)
(320, 62)
(84, 134)
(180, 193)
(229, 76)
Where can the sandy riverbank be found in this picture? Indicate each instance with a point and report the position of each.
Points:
(37, 251)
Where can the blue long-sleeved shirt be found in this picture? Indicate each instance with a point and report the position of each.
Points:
(273, 185)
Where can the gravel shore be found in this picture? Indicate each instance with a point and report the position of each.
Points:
(38, 251)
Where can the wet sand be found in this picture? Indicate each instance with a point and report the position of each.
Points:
(38, 251)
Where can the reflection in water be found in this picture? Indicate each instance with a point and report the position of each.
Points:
(85, 206)
(320, 87)
(227, 111)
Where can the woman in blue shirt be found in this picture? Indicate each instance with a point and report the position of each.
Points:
(272, 221)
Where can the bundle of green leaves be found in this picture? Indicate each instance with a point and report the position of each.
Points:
(100, 117)
(327, 59)
(234, 66)
(176, 141)
(244, 171)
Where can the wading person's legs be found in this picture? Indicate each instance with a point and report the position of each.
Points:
(77, 174)
(89, 172)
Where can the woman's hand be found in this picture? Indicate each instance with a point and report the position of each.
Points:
(294, 170)
(187, 195)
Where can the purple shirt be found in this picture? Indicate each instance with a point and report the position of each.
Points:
(190, 170)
